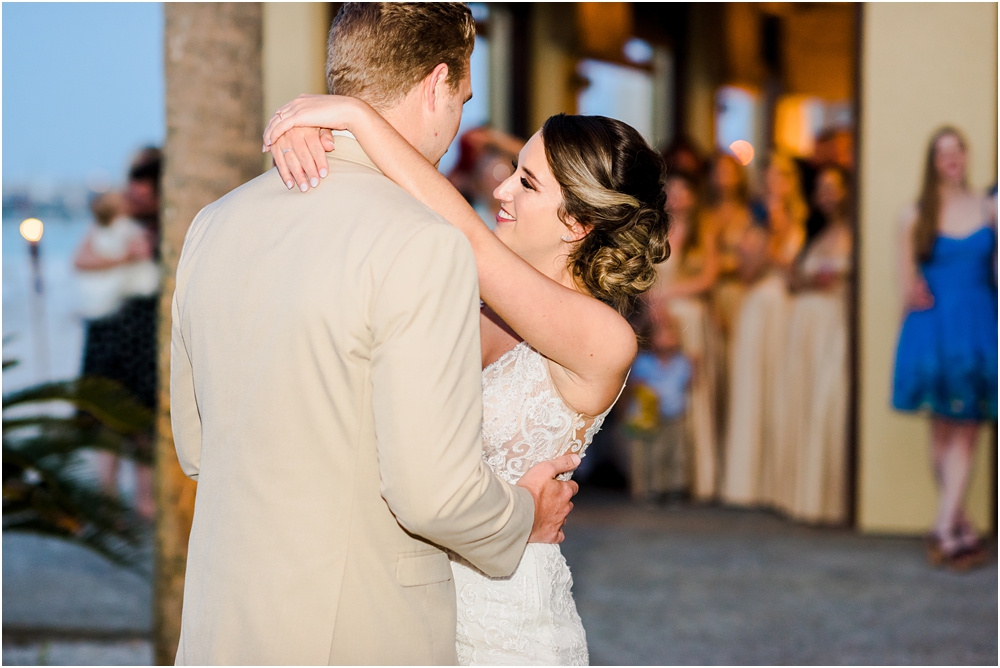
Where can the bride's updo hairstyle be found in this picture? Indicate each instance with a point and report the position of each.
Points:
(612, 184)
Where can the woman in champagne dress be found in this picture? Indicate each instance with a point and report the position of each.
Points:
(811, 451)
(726, 213)
(580, 230)
(682, 287)
(758, 347)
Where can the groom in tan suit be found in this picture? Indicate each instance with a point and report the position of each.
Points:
(326, 393)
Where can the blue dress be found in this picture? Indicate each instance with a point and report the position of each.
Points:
(946, 361)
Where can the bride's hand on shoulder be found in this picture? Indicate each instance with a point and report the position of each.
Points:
(300, 156)
(298, 135)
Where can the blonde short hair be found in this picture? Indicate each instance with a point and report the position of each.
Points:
(378, 51)
(107, 207)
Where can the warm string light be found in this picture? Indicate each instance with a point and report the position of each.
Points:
(743, 150)
(32, 230)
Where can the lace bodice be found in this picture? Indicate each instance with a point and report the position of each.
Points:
(528, 617)
(525, 421)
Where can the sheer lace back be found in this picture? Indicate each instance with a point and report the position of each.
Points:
(525, 421)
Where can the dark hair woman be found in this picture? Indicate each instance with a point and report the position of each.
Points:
(579, 234)
(811, 451)
(946, 360)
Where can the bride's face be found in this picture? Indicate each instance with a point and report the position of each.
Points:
(528, 222)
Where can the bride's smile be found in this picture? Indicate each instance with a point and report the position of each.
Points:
(529, 221)
(504, 217)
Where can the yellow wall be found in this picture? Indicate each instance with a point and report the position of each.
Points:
(923, 65)
(552, 63)
(294, 52)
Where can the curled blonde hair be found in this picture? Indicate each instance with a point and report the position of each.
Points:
(612, 184)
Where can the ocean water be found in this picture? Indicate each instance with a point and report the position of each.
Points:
(56, 307)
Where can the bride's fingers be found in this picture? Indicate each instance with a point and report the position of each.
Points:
(284, 152)
(326, 137)
(305, 158)
(269, 136)
(280, 123)
(317, 151)
(271, 133)
(281, 163)
(298, 174)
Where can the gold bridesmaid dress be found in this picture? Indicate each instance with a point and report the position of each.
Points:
(758, 347)
(811, 453)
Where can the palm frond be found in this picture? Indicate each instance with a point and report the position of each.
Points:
(46, 485)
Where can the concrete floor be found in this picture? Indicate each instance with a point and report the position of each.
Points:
(684, 585)
(717, 586)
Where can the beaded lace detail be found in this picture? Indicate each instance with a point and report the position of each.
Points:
(525, 421)
(528, 618)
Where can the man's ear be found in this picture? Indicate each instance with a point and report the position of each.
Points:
(434, 86)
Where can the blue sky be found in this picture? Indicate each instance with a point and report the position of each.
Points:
(82, 89)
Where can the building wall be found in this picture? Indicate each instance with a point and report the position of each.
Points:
(922, 66)
(294, 52)
(553, 63)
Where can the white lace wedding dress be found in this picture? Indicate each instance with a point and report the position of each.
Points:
(528, 618)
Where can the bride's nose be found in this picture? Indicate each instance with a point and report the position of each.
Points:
(502, 192)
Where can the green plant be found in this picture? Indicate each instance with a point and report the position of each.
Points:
(45, 486)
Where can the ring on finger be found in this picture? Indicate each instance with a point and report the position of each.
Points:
(285, 150)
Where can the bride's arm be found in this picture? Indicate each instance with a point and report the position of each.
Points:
(581, 334)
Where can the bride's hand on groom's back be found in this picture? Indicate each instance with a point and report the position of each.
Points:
(298, 138)
(300, 156)
(552, 497)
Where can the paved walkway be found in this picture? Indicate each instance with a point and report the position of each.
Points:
(654, 586)
(716, 586)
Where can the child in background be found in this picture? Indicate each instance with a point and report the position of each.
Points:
(115, 260)
(655, 422)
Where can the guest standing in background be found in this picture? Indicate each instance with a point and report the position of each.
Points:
(682, 157)
(682, 288)
(834, 147)
(114, 261)
(946, 359)
(727, 215)
(758, 347)
(122, 346)
(810, 452)
(657, 403)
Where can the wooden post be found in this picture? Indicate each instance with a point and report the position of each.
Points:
(214, 125)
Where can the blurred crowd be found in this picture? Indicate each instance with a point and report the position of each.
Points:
(755, 293)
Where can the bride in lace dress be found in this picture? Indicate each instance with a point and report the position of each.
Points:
(578, 235)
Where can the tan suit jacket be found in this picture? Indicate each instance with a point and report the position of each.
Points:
(326, 395)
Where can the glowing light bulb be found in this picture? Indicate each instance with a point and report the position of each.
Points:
(32, 229)
(743, 150)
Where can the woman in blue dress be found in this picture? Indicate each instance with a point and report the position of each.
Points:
(946, 361)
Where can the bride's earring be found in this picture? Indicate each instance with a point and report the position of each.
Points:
(566, 238)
